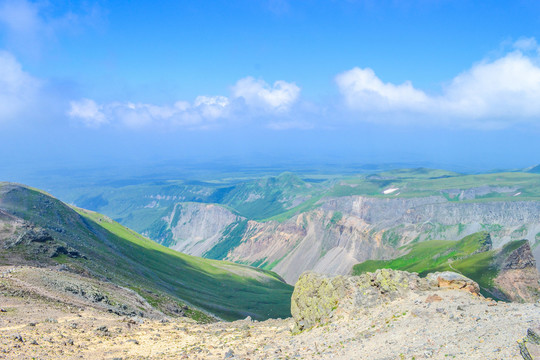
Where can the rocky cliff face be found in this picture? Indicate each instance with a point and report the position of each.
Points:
(519, 278)
(344, 231)
(197, 227)
(314, 240)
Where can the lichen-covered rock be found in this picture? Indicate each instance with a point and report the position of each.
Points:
(317, 298)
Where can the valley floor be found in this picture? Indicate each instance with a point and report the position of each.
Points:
(453, 324)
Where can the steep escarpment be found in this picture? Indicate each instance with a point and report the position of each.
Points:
(435, 217)
(316, 240)
(344, 231)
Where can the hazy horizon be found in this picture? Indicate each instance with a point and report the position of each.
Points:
(88, 86)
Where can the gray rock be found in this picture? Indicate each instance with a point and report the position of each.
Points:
(229, 354)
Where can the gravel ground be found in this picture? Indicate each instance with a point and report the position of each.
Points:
(454, 324)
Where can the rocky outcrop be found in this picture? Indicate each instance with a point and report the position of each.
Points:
(36, 241)
(452, 280)
(529, 347)
(519, 279)
(318, 298)
(521, 258)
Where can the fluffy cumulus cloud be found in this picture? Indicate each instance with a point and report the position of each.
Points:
(18, 89)
(258, 93)
(506, 89)
(362, 89)
(249, 97)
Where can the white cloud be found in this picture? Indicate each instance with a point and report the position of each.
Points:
(203, 113)
(363, 90)
(506, 87)
(505, 90)
(212, 107)
(18, 89)
(88, 112)
(204, 110)
(257, 93)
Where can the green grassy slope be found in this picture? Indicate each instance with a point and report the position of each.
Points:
(464, 256)
(228, 290)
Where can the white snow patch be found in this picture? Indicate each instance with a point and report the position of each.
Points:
(389, 191)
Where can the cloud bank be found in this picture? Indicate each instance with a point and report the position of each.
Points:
(503, 91)
(249, 98)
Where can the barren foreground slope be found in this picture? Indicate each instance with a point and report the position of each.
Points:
(442, 324)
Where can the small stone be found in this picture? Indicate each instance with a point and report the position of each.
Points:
(18, 337)
(433, 298)
(133, 341)
(34, 342)
(229, 354)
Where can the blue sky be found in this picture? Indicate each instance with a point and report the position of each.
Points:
(453, 83)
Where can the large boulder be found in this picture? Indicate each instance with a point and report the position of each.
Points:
(317, 298)
(452, 280)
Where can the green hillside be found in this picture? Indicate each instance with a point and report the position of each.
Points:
(228, 290)
(471, 256)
